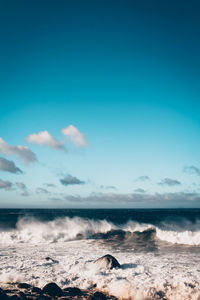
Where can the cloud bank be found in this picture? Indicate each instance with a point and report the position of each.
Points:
(157, 199)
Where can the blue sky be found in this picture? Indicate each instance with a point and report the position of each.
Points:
(122, 79)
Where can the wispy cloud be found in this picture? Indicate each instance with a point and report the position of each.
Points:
(70, 180)
(143, 178)
(108, 187)
(21, 185)
(75, 136)
(139, 190)
(6, 185)
(40, 190)
(9, 166)
(50, 184)
(192, 170)
(23, 188)
(169, 182)
(56, 199)
(22, 152)
(45, 138)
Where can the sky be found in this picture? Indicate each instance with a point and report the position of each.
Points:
(99, 104)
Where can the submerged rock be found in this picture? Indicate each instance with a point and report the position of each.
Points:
(24, 285)
(52, 289)
(3, 295)
(22, 295)
(51, 260)
(107, 262)
(98, 296)
(73, 291)
(14, 297)
(44, 297)
(36, 290)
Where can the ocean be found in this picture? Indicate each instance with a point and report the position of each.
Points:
(158, 249)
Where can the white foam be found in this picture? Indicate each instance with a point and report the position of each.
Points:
(24, 249)
(141, 275)
(66, 229)
(176, 237)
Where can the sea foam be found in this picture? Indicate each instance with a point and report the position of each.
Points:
(75, 243)
(30, 230)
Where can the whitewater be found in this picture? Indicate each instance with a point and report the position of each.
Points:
(159, 260)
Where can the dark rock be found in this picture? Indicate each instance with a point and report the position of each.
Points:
(73, 291)
(36, 290)
(107, 262)
(22, 295)
(160, 294)
(14, 297)
(52, 289)
(3, 295)
(44, 297)
(11, 291)
(24, 285)
(51, 260)
(92, 286)
(98, 296)
(48, 258)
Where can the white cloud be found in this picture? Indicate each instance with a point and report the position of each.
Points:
(23, 152)
(75, 136)
(45, 138)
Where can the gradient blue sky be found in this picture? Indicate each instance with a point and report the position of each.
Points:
(126, 74)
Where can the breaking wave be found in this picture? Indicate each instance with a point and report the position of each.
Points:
(67, 229)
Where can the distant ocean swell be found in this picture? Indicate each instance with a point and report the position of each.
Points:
(30, 230)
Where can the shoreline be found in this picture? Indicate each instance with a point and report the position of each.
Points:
(19, 291)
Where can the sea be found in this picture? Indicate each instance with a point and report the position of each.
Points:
(158, 250)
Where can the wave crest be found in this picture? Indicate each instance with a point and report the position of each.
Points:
(66, 229)
(186, 237)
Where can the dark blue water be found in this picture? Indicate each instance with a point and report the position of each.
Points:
(157, 217)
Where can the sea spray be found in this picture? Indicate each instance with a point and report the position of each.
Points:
(31, 230)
